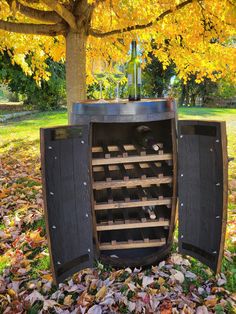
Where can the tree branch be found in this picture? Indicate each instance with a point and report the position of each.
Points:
(43, 16)
(62, 11)
(34, 29)
(95, 33)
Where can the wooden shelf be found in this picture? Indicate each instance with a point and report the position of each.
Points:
(132, 225)
(99, 185)
(123, 148)
(129, 171)
(130, 159)
(133, 203)
(115, 245)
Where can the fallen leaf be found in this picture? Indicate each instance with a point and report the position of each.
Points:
(166, 307)
(202, 310)
(101, 293)
(161, 281)
(147, 281)
(49, 304)
(177, 276)
(68, 300)
(12, 293)
(47, 277)
(96, 309)
(34, 296)
(211, 301)
(217, 289)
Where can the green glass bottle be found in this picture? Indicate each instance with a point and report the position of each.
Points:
(134, 75)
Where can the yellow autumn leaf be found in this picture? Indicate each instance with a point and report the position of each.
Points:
(12, 293)
(68, 300)
(35, 238)
(211, 301)
(47, 277)
(161, 281)
(101, 293)
(13, 8)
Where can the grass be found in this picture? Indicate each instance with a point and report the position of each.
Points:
(4, 263)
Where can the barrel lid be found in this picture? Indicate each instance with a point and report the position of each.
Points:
(125, 107)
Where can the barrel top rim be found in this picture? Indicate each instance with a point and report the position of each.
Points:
(144, 109)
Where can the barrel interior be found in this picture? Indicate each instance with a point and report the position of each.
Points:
(132, 192)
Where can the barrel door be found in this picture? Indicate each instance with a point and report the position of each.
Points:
(65, 158)
(202, 182)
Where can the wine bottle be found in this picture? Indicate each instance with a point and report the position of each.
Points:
(151, 211)
(134, 75)
(145, 138)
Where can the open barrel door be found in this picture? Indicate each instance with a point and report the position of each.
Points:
(67, 198)
(202, 182)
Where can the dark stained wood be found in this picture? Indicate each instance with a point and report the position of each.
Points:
(225, 161)
(202, 190)
(173, 164)
(65, 164)
(142, 111)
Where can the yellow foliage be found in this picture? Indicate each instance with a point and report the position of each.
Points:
(197, 37)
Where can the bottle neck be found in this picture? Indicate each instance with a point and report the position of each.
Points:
(134, 50)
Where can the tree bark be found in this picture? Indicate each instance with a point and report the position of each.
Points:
(75, 68)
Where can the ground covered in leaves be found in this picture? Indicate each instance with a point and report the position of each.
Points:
(177, 285)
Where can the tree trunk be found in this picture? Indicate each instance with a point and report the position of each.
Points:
(75, 68)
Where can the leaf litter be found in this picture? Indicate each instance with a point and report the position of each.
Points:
(173, 286)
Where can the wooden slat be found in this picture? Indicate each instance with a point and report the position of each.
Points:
(123, 172)
(143, 165)
(133, 244)
(130, 204)
(99, 185)
(130, 159)
(115, 148)
(133, 224)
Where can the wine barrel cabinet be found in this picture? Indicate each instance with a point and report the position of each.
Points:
(99, 186)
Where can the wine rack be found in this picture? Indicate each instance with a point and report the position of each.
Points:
(127, 181)
(107, 198)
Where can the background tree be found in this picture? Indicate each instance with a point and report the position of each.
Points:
(44, 95)
(190, 33)
(156, 78)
